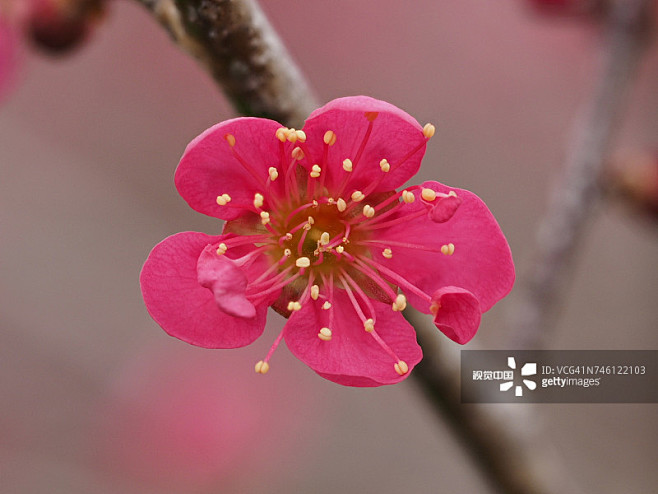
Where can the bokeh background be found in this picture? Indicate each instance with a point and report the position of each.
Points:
(95, 398)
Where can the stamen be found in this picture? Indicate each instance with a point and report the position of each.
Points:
(258, 200)
(303, 262)
(400, 303)
(282, 134)
(452, 193)
(408, 197)
(448, 249)
(387, 253)
(297, 154)
(262, 367)
(264, 217)
(428, 130)
(358, 196)
(325, 334)
(347, 165)
(385, 165)
(294, 306)
(292, 135)
(274, 173)
(369, 325)
(326, 305)
(315, 171)
(223, 200)
(401, 367)
(221, 249)
(301, 135)
(330, 138)
(230, 138)
(324, 238)
(428, 194)
(399, 280)
(368, 211)
(315, 292)
(340, 249)
(341, 204)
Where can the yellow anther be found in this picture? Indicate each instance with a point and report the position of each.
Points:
(287, 252)
(292, 135)
(315, 203)
(347, 165)
(340, 249)
(230, 138)
(301, 135)
(330, 138)
(310, 220)
(264, 217)
(330, 200)
(274, 173)
(288, 236)
(371, 115)
(408, 197)
(448, 249)
(297, 153)
(387, 253)
(400, 303)
(434, 307)
(452, 193)
(223, 200)
(428, 195)
(258, 200)
(358, 196)
(325, 334)
(282, 134)
(368, 211)
(369, 325)
(221, 249)
(401, 367)
(262, 367)
(303, 262)
(294, 306)
(315, 292)
(326, 305)
(428, 130)
(324, 238)
(341, 204)
(385, 165)
(315, 171)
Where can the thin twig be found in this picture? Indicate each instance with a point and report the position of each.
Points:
(573, 198)
(241, 50)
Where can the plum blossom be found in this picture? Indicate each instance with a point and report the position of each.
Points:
(317, 228)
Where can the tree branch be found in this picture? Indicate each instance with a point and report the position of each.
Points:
(241, 50)
(576, 193)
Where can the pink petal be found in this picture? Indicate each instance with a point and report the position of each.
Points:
(481, 263)
(352, 357)
(456, 313)
(184, 308)
(444, 208)
(209, 167)
(395, 134)
(227, 281)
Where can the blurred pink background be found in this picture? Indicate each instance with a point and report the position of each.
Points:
(88, 147)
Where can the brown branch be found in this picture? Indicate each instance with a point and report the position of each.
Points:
(576, 193)
(241, 50)
(508, 442)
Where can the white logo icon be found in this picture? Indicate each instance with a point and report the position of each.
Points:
(529, 369)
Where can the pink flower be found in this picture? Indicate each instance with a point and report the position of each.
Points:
(316, 229)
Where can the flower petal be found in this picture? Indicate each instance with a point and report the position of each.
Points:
(184, 308)
(352, 357)
(210, 166)
(396, 136)
(481, 262)
(227, 281)
(456, 313)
